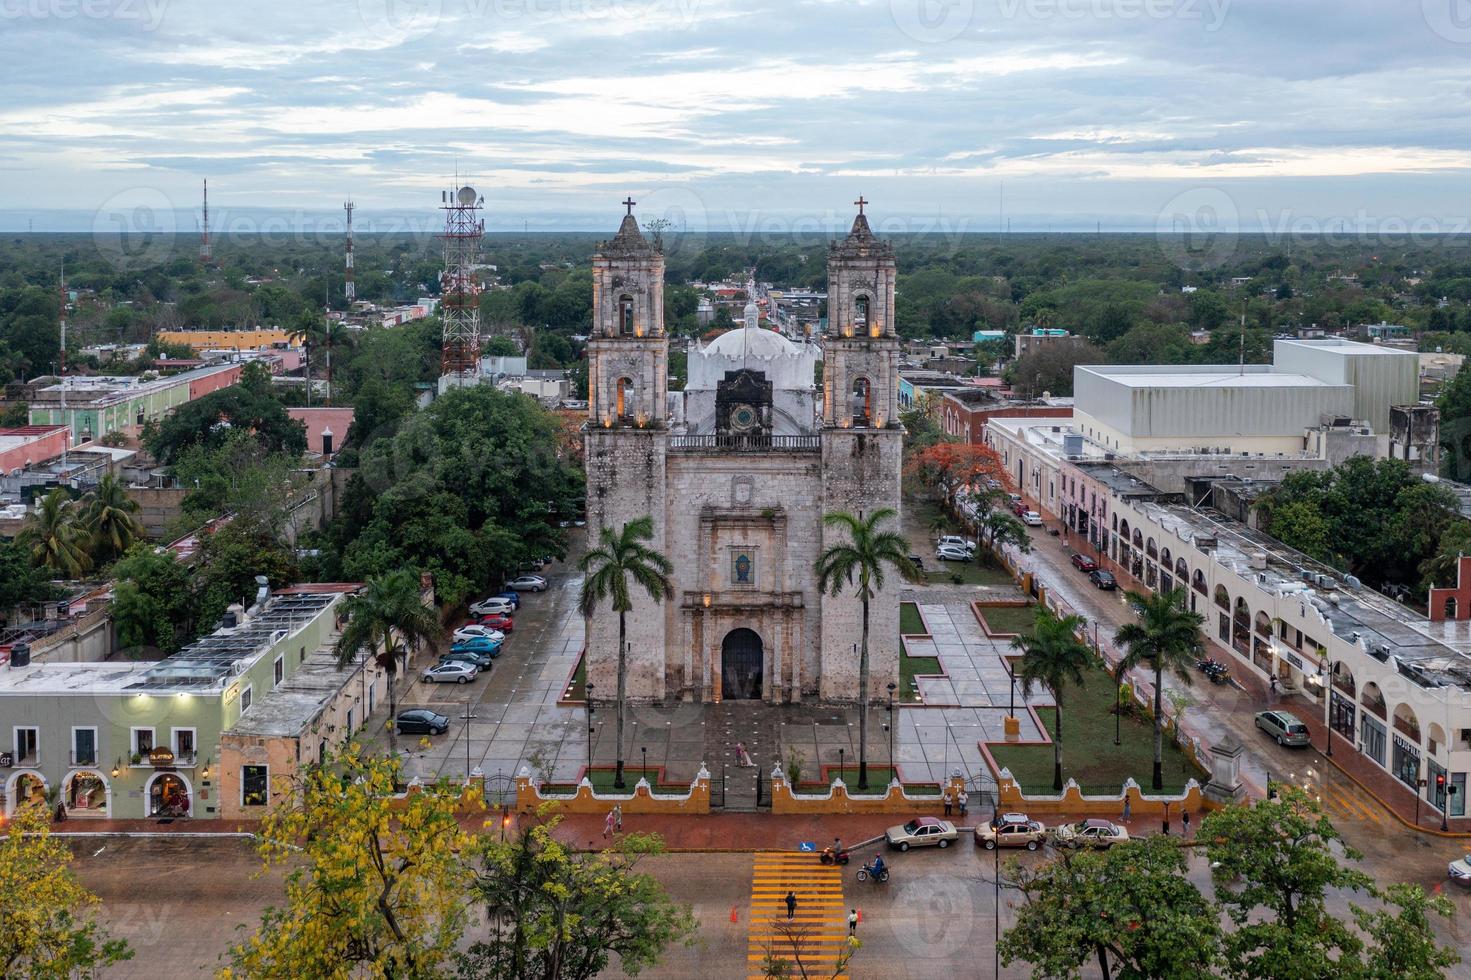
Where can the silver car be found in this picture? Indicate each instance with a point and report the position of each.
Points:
(451, 671)
(1285, 727)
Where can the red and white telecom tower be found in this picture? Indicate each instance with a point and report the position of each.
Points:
(349, 288)
(459, 293)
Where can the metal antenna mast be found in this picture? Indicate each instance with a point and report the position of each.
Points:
(349, 288)
(206, 251)
(63, 315)
(460, 287)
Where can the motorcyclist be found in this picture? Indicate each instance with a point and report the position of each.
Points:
(834, 850)
(878, 865)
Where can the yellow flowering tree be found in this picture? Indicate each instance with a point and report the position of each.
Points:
(46, 925)
(378, 886)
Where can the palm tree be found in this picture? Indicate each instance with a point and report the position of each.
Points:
(310, 330)
(110, 516)
(606, 570)
(861, 563)
(1166, 637)
(387, 619)
(55, 537)
(334, 334)
(1053, 656)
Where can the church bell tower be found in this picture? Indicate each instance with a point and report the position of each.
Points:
(862, 448)
(626, 440)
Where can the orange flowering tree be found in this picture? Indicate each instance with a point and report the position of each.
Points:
(944, 468)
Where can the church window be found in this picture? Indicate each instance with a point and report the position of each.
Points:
(860, 311)
(624, 389)
(625, 315)
(862, 401)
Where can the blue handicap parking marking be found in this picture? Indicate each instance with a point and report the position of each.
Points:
(807, 845)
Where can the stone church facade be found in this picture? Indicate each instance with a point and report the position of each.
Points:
(736, 473)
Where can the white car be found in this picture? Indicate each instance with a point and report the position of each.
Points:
(952, 553)
(1031, 518)
(473, 632)
(491, 606)
(1460, 870)
(527, 583)
(450, 672)
(956, 541)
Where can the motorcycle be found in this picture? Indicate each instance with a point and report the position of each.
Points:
(866, 872)
(830, 856)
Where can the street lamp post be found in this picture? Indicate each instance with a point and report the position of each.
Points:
(590, 711)
(893, 770)
(644, 768)
(1327, 671)
(841, 752)
(1011, 672)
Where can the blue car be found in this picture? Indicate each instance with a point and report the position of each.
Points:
(511, 596)
(478, 644)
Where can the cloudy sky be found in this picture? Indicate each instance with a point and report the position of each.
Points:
(747, 114)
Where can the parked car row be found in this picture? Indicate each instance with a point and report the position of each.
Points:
(1008, 830)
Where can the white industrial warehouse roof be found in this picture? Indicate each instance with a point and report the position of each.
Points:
(1216, 377)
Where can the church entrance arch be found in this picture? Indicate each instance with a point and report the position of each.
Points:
(741, 662)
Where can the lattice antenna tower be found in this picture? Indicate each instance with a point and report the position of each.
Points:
(460, 286)
(61, 368)
(349, 287)
(206, 250)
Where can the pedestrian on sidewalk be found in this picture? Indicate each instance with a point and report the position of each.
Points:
(1273, 685)
(1185, 824)
(948, 800)
(618, 817)
(791, 905)
(964, 800)
(608, 825)
(852, 922)
(1128, 811)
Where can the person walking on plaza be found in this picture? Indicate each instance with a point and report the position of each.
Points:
(963, 799)
(791, 905)
(618, 817)
(852, 922)
(948, 800)
(1127, 810)
(608, 826)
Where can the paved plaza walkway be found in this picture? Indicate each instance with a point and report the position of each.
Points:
(517, 720)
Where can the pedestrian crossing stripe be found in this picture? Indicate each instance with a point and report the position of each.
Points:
(822, 913)
(1336, 799)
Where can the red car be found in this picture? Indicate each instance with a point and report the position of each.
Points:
(1019, 508)
(1084, 564)
(497, 621)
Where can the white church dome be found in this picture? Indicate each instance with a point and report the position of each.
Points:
(752, 342)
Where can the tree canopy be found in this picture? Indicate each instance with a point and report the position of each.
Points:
(468, 489)
(209, 420)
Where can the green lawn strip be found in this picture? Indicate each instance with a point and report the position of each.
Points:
(1010, 619)
(970, 573)
(909, 668)
(879, 778)
(910, 621)
(602, 782)
(1088, 752)
(577, 689)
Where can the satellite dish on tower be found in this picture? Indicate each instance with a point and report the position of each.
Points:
(466, 196)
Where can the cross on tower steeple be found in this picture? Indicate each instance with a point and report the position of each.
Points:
(628, 203)
(860, 202)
